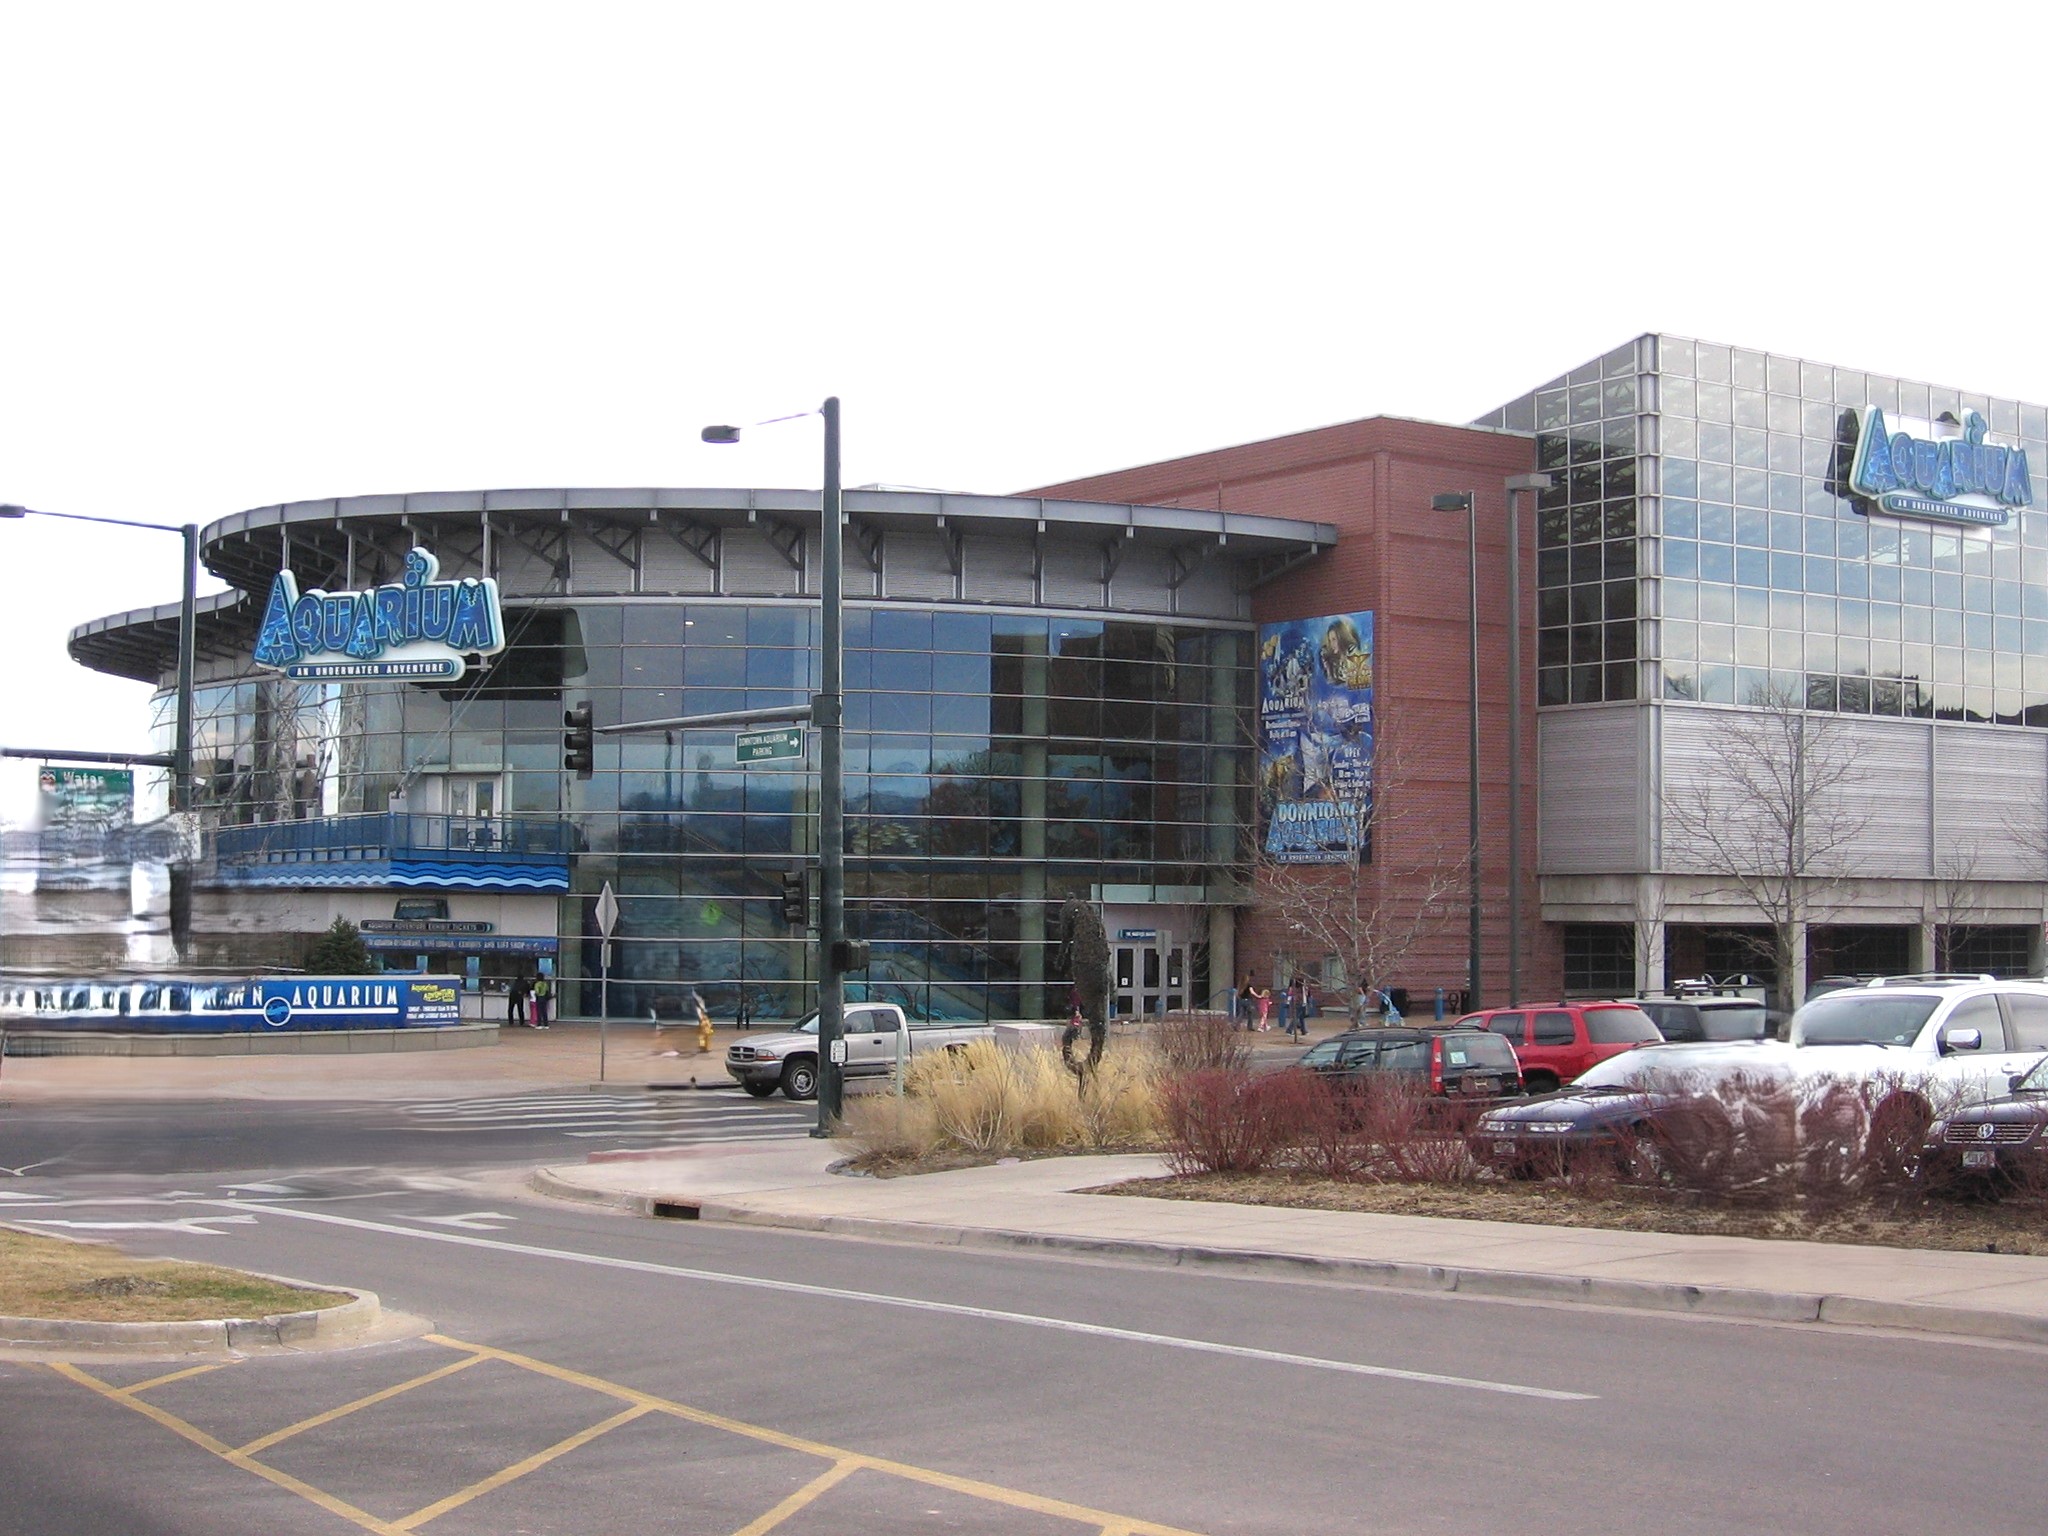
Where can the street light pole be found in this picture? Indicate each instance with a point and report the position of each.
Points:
(1516, 485)
(1468, 503)
(826, 713)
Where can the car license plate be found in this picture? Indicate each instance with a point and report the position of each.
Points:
(1481, 1084)
(1504, 1146)
(1980, 1157)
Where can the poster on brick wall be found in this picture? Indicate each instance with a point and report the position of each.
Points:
(1315, 739)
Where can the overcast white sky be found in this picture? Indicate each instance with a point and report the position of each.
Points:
(252, 253)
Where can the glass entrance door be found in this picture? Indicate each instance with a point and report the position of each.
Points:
(1149, 978)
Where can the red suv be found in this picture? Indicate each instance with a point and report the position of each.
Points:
(1555, 1042)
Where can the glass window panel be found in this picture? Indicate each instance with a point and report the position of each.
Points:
(1674, 355)
(1584, 402)
(1585, 524)
(1618, 439)
(1586, 685)
(1853, 695)
(1621, 559)
(1717, 685)
(1621, 599)
(1716, 402)
(1752, 487)
(1680, 477)
(1681, 682)
(1553, 527)
(1680, 641)
(1618, 396)
(1783, 414)
(1717, 563)
(1553, 647)
(1681, 599)
(1678, 435)
(1752, 646)
(1681, 558)
(1752, 567)
(1553, 605)
(898, 630)
(1717, 604)
(1619, 477)
(1553, 686)
(1821, 653)
(1621, 680)
(1716, 443)
(1681, 519)
(1621, 641)
(1716, 482)
(1586, 605)
(1820, 691)
(1752, 447)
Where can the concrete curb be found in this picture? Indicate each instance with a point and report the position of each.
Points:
(1732, 1302)
(325, 1325)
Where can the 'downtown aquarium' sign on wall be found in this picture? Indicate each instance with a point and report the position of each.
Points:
(1315, 739)
(1947, 470)
(420, 627)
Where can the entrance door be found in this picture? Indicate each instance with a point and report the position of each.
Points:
(1149, 978)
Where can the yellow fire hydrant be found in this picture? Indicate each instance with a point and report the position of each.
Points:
(703, 1026)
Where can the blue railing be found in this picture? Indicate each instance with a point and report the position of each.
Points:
(398, 835)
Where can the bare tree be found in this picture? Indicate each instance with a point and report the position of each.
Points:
(1773, 819)
(1392, 884)
(1649, 909)
(1956, 902)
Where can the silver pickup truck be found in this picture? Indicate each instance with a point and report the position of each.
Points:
(877, 1034)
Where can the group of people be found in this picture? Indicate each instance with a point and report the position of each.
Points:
(1252, 1005)
(528, 999)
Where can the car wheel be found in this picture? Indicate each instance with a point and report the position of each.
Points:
(1898, 1129)
(1539, 1082)
(1638, 1155)
(760, 1087)
(800, 1078)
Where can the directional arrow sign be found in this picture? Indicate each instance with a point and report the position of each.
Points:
(769, 746)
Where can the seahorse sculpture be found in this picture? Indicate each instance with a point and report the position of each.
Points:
(1084, 956)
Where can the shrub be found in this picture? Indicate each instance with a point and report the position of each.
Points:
(1190, 1042)
(986, 1100)
(340, 951)
(1225, 1120)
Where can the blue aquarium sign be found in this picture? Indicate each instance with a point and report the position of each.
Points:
(1948, 471)
(419, 627)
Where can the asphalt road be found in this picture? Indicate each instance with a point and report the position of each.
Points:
(589, 1372)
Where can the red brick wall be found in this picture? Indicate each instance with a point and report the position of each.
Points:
(1373, 481)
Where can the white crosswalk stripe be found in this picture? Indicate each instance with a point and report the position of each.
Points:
(647, 1119)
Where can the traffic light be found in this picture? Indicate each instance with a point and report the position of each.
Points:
(796, 897)
(579, 745)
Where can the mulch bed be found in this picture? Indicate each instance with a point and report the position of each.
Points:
(1955, 1225)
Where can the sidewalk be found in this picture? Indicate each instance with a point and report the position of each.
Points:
(1033, 1206)
(522, 1060)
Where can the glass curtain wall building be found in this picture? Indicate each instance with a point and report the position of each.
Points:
(1709, 542)
(1043, 699)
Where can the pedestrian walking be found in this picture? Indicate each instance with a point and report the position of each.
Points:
(515, 1001)
(1241, 1001)
(1264, 998)
(1287, 1011)
(703, 1022)
(1301, 998)
(543, 994)
(743, 1014)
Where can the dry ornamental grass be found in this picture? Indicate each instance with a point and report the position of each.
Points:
(49, 1277)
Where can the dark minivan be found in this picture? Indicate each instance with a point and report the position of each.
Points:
(1465, 1064)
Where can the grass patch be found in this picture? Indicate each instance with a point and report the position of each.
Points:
(50, 1277)
(1952, 1225)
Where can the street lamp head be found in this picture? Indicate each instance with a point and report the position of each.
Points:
(1451, 501)
(10, 510)
(1536, 482)
(721, 434)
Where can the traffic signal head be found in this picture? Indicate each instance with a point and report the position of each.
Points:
(796, 901)
(579, 744)
(850, 955)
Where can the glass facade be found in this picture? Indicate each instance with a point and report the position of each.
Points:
(996, 762)
(1702, 543)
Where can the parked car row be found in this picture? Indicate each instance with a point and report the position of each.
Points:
(1955, 1069)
